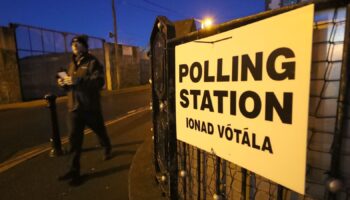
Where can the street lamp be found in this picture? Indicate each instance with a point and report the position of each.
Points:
(206, 22)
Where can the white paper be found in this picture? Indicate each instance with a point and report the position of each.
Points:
(62, 74)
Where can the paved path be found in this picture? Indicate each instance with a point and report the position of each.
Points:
(26, 125)
(37, 178)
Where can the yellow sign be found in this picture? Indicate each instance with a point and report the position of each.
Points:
(244, 94)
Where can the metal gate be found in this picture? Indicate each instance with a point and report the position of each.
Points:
(186, 172)
(163, 109)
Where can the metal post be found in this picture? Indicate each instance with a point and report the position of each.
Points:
(55, 139)
(252, 182)
(279, 192)
(223, 182)
(184, 168)
(199, 174)
(204, 178)
(244, 184)
(217, 177)
(189, 169)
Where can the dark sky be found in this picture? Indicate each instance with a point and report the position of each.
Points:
(135, 17)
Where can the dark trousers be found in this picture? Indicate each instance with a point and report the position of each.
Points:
(77, 121)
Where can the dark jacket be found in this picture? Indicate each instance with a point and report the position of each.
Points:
(88, 79)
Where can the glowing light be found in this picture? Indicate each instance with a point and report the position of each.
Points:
(207, 22)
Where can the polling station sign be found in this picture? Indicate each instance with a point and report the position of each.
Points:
(243, 94)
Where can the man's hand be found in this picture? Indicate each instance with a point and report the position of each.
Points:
(68, 80)
(60, 82)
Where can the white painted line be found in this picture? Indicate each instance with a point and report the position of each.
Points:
(131, 111)
(46, 147)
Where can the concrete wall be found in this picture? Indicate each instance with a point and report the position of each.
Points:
(9, 75)
(38, 74)
(133, 63)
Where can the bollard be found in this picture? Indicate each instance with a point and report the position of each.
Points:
(55, 139)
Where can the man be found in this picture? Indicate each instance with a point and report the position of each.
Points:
(83, 83)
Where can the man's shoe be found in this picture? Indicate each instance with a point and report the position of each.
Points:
(107, 154)
(76, 181)
(68, 175)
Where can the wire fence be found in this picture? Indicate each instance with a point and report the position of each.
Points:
(203, 175)
(41, 53)
(33, 41)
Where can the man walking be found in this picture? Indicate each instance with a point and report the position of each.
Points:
(83, 82)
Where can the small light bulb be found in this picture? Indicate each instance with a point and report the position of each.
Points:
(183, 173)
(163, 178)
(216, 197)
(207, 23)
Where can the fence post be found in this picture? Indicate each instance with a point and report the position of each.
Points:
(244, 184)
(199, 174)
(252, 183)
(279, 192)
(108, 71)
(217, 178)
(204, 179)
(184, 168)
(223, 169)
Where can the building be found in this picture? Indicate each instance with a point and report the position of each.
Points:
(273, 4)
